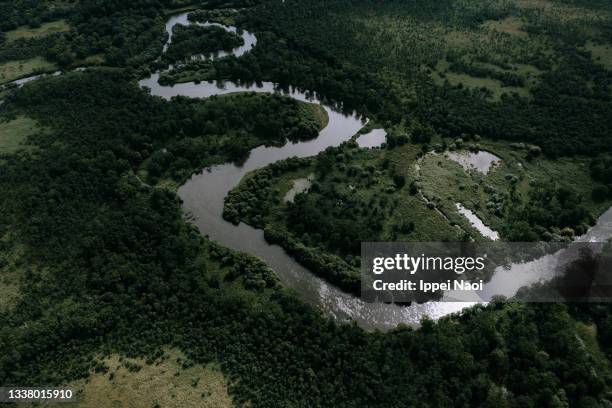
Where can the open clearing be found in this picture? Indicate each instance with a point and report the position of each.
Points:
(14, 133)
(95, 59)
(13, 267)
(11, 270)
(446, 183)
(601, 54)
(443, 73)
(9, 290)
(11, 70)
(25, 32)
(509, 25)
(165, 383)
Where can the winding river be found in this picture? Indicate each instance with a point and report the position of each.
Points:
(203, 196)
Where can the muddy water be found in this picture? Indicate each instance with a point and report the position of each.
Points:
(204, 193)
(203, 196)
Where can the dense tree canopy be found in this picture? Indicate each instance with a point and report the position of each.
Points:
(188, 41)
(106, 262)
(568, 111)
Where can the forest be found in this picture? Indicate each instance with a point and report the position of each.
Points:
(551, 91)
(601, 170)
(110, 266)
(97, 258)
(567, 111)
(234, 124)
(398, 193)
(188, 41)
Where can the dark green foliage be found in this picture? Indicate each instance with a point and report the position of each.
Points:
(118, 270)
(399, 180)
(547, 209)
(396, 139)
(121, 32)
(318, 51)
(251, 201)
(194, 40)
(113, 267)
(422, 134)
(601, 171)
(335, 220)
(331, 267)
(405, 227)
(233, 125)
(506, 78)
(414, 188)
(14, 13)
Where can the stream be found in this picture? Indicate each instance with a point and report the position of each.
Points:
(203, 198)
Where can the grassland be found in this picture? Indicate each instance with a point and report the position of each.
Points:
(501, 46)
(602, 53)
(429, 224)
(363, 194)
(441, 183)
(508, 25)
(171, 381)
(351, 200)
(496, 48)
(12, 70)
(557, 10)
(95, 59)
(442, 74)
(9, 289)
(11, 270)
(14, 267)
(404, 41)
(25, 32)
(445, 182)
(14, 133)
(407, 45)
(316, 112)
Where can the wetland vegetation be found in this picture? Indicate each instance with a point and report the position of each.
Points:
(101, 271)
(406, 194)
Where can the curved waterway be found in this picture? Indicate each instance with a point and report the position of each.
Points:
(203, 197)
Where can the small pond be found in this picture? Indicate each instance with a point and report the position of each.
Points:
(374, 138)
(481, 161)
(299, 186)
(477, 223)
